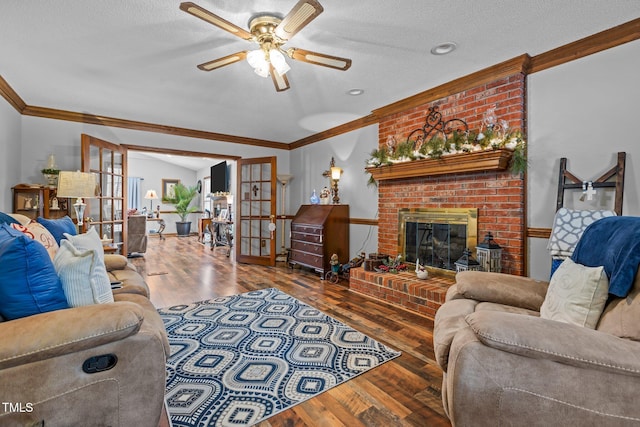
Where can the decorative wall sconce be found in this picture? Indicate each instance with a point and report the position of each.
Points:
(334, 173)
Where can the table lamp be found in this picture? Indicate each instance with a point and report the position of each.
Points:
(151, 196)
(77, 185)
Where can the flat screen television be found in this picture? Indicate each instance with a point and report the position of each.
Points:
(219, 178)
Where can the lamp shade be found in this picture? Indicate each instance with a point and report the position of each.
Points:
(77, 184)
(284, 178)
(335, 172)
(151, 195)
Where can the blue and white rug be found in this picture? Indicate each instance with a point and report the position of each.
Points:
(238, 360)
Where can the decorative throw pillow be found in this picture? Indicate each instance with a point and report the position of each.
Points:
(28, 281)
(576, 294)
(7, 219)
(82, 281)
(40, 234)
(57, 227)
(90, 241)
(22, 219)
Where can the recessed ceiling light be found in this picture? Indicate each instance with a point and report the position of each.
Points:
(444, 48)
(356, 92)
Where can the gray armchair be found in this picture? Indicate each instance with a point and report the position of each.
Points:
(505, 365)
(137, 234)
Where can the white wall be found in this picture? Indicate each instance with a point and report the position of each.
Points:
(41, 137)
(587, 111)
(153, 171)
(10, 137)
(350, 152)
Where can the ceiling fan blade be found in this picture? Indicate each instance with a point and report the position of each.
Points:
(211, 18)
(225, 60)
(319, 59)
(301, 14)
(279, 80)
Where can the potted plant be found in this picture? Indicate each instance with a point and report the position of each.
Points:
(182, 197)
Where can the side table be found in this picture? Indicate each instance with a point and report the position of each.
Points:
(161, 226)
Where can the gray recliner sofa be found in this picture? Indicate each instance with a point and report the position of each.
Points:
(505, 365)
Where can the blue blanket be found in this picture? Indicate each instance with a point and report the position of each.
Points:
(614, 243)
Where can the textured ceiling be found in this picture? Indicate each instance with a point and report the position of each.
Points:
(136, 59)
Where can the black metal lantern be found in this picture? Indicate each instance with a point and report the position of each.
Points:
(466, 262)
(489, 254)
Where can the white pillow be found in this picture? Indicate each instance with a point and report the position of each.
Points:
(577, 294)
(83, 281)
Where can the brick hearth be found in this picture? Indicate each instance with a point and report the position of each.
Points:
(498, 195)
(403, 289)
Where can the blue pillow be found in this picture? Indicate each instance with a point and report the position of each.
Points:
(7, 219)
(28, 281)
(57, 227)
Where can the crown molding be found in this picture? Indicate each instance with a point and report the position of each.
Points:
(338, 130)
(595, 43)
(71, 116)
(175, 152)
(11, 96)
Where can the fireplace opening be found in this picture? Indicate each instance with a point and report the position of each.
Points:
(437, 237)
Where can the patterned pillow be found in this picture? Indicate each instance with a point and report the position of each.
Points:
(22, 219)
(7, 219)
(40, 234)
(80, 272)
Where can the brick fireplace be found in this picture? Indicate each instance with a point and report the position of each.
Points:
(497, 194)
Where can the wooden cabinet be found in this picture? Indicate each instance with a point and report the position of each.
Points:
(38, 200)
(317, 232)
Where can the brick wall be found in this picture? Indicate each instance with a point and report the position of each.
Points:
(498, 196)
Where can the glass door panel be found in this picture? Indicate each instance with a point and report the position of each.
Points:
(108, 162)
(257, 209)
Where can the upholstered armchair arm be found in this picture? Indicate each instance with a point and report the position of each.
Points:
(115, 262)
(516, 291)
(55, 333)
(539, 338)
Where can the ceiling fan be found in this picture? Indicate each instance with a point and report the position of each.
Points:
(270, 32)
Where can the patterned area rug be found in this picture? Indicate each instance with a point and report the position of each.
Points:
(238, 360)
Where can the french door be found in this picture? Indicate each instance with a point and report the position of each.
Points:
(256, 211)
(108, 162)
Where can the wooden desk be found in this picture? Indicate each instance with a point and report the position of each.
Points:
(161, 226)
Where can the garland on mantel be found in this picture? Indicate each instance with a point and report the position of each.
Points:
(438, 138)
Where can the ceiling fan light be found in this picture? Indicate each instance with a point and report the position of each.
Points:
(278, 61)
(256, 59)
(262, 71)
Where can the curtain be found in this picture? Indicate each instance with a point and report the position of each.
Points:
(134, 197)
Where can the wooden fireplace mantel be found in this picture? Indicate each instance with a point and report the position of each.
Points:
(490, 160)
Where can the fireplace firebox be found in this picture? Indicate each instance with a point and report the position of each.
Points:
(437, 237)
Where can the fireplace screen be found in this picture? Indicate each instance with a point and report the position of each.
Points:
(437, 237)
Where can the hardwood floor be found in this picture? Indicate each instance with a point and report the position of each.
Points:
(402, 392)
